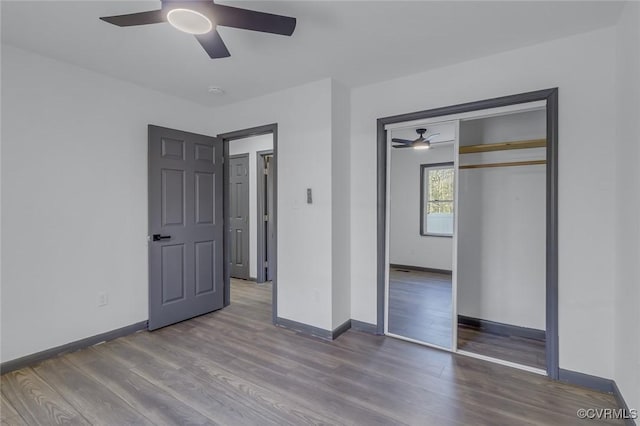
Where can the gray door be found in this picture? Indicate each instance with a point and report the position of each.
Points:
(185, 226)
(239, 215)
(270, 218)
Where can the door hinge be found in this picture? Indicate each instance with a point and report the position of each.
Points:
(266, 264)
(266, 171)
(266, 218)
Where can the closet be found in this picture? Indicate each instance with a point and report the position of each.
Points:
(498, 306)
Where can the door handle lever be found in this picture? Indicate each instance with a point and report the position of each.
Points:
(158, 237)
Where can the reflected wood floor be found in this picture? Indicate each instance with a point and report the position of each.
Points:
(516, 349)
(233, 367)
(420, 306)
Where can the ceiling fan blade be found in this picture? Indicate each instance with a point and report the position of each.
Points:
(229, 16)
(428, 138)
(213, 44)
(402, 146)
(141, 18)
(403, 141)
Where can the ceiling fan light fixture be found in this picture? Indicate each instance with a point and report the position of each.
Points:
(189, 21)
(425, 146)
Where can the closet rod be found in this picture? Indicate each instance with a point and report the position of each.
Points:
(507, 164)
(503, 146)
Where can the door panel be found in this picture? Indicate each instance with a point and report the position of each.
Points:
(185, 208)
(173, 202)
(239, 215)
(237, 243)
(204, 153)
(205, 267)
(172, 275)
(205, 202)
(173, 149)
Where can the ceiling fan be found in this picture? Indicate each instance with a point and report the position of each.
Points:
(201, 18)
(420, 143)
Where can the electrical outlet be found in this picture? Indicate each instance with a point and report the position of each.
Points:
(103, 299)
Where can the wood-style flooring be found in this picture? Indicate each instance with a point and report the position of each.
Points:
(233, 367)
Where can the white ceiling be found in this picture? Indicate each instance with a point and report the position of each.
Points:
(355, 42)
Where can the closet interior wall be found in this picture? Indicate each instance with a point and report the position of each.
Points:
(501, 221)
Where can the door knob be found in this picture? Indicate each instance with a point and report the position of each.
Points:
(158, 237)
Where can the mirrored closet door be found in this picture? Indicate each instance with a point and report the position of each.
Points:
(421, 225)
(501, 247)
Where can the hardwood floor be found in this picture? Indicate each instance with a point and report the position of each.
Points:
(233, 367)
(420, 306)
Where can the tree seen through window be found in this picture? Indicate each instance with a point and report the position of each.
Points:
(437, 199)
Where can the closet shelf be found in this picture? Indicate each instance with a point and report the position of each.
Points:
(502, 146)
(507, 164)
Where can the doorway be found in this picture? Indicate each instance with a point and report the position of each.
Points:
(549, 100)
(190, 249)
(257, 148)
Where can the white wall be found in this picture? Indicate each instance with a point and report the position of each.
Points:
(502, 224)
(250, 146)
(340, 204)
(303, 115)
(587, 123)
(74, 199)
(627, 290)
(406, 245)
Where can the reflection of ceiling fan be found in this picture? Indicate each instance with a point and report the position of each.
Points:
(420, 143)
(201, 17)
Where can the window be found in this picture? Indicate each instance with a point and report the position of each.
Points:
(436, 199)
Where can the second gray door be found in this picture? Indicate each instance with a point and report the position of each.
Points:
(239, 215)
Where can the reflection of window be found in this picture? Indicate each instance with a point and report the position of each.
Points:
(436, 199)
